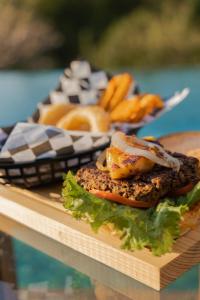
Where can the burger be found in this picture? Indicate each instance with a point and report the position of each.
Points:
(144, 193)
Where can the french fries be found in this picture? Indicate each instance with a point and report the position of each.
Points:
(117, 89)
(151, 102)
(128, 111)
(135, 109)
(123, 84)
(108, 94)
(131, 110)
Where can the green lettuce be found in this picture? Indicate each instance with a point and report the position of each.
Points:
(156, 228)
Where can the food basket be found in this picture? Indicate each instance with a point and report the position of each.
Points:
(43, 171)
(80, 84)
(24, 162)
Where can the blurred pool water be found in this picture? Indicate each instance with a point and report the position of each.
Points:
(34, 266)
(21, 91)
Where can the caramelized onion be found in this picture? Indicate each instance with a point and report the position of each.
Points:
(101, 160)
(134, 146)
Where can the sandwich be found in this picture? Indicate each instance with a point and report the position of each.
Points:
(142, 192)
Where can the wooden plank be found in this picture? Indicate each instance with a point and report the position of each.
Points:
(62, 227)
(103, 278)
(111, 279)
(181, 142)
(49, 218)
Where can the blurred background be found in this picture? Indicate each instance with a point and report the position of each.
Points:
(157, 41)
(111, 34)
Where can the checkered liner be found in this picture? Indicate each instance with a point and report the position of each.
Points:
(4, 133)
(29, 142)
(80, 84)
(36, 154)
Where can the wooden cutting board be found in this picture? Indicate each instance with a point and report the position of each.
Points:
(41, 209)
(181, 142)
(108, 281)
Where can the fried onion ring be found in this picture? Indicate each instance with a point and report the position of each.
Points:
(87, 118)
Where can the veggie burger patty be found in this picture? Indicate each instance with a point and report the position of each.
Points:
(149, 186)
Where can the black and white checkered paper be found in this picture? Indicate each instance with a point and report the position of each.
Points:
(80, 84)
(29, 142)
(4, 134)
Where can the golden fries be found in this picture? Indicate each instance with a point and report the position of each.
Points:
(128, 111)
(151, 102)
(123, 83)
(135, 109)
(117, 89)
(108, 94)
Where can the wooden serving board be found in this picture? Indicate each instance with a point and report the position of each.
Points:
(109, 281)
(181, 142)
(41, 209)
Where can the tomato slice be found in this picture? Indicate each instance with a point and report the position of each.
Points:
(119, 199)
(183, 190)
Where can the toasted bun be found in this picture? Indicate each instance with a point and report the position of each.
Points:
(54, 112)
(91, 118)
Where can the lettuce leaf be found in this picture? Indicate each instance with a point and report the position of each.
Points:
(155, 228)
(192, 197)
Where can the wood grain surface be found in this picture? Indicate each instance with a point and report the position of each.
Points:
(103, 277)
(41, 209)
(181, 142)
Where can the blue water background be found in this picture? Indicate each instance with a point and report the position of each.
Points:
(21, 91)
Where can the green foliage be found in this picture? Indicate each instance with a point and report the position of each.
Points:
(75, 19)
(155, 228)
(114, 33)
(192, 197)
(150, 38)
(25, 39)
